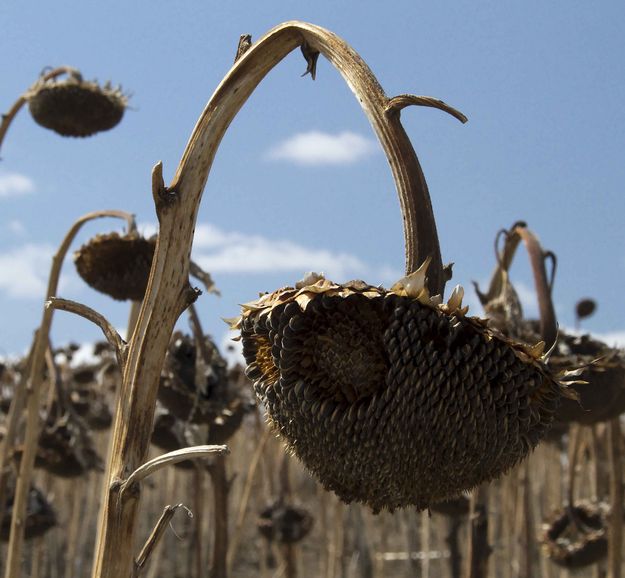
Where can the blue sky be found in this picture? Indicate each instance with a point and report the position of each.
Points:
(542, 83)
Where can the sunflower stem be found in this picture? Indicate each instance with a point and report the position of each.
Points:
(615, 540)
(119, 345)
(548, 323)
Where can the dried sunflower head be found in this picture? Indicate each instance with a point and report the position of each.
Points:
(453, 508)
(284, 523)
(392, 398)
(118, 265)
(40, 516)
(87, 399)
(200, 392)
(170, 434)
(601, 387)
(66, 447)
(75, 107)
(576, 536)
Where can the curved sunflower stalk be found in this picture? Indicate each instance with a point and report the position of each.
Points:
(169, 293)
(360, 369)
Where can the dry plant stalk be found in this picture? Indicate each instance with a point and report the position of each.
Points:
(169, 293)
(615, 538)
(29, 393)
(154, 538)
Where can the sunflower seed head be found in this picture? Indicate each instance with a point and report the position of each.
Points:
(391, 399)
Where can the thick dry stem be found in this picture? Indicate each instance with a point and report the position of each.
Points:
(168, 292)
(615, 540)
(221, 488)
(33, 386)
(478, 546)
(548, 323)
(245, 497)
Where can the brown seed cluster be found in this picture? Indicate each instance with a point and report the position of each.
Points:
(391, 400)
(40, 516)
(118, 265)
(73, 107)
(66, 448)
(601, 383)
(577, 536)
(284, 523)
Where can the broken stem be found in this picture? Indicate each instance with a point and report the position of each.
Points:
(111, 335)
(154, 538)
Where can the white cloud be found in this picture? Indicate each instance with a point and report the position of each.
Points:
(319, 148)
(14, 184)
(16, 227)
(610, 338)
(24, 270)
(528, 299)
(232, 351)
(220, 251)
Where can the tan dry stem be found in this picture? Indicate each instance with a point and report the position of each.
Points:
(169, 293)
(8, 117)
(245, 497)
(154, 538)
(169, 459)
(119, 345)
(548, 323)
(615, 538)
(31, 394)
(504, 260)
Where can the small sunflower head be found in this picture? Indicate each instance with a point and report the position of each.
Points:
(40, 516)
(75, 107)
(118, 265)
(576, 536)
